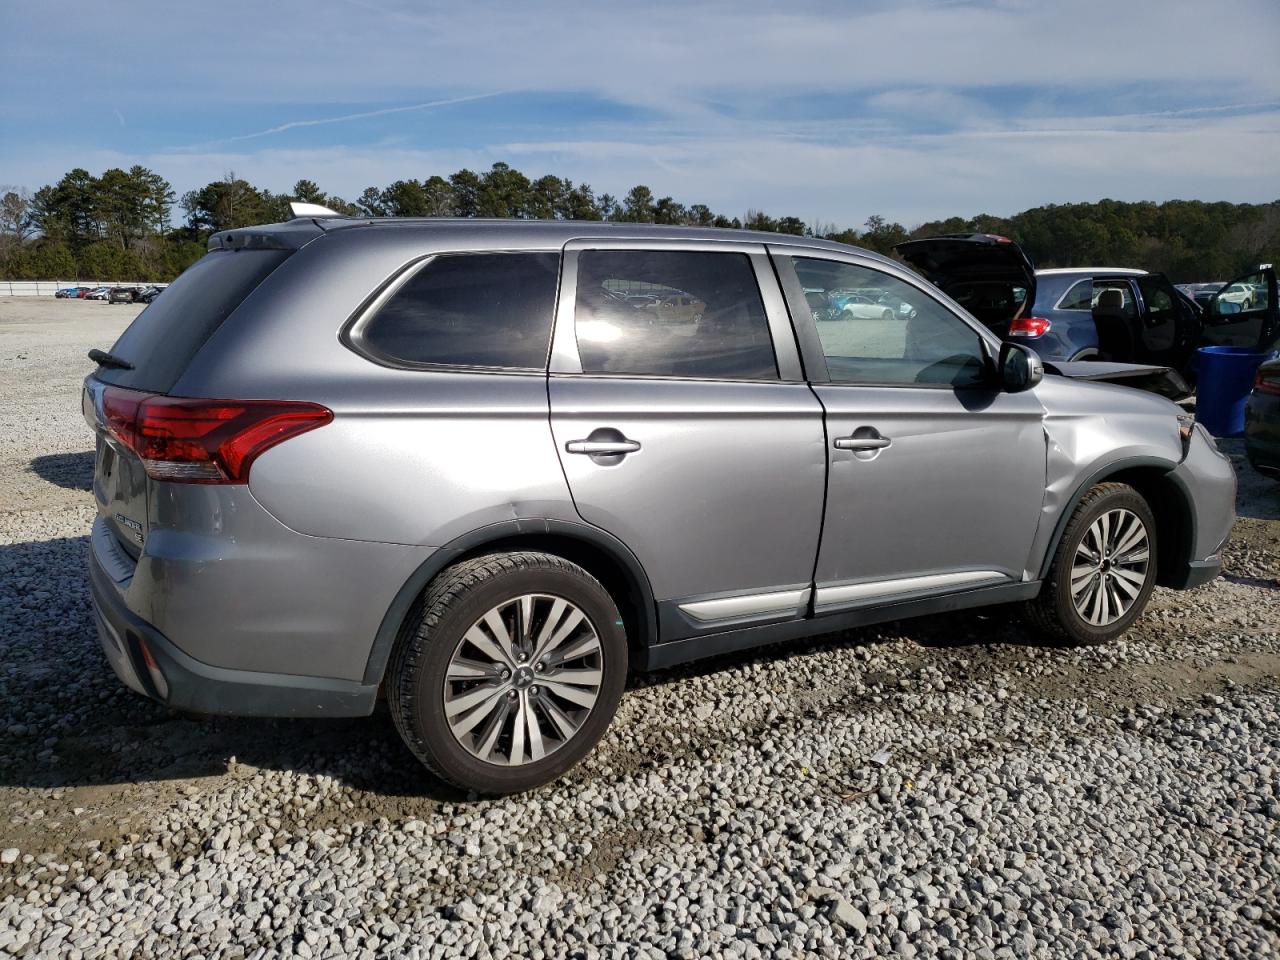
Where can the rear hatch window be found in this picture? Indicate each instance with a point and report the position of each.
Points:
(164, 338)
(160, 343)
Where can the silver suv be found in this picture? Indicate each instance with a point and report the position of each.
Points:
(472, 465)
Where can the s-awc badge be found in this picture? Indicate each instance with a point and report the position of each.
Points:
(132, 524)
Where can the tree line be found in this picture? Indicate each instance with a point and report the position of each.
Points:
(119, 225)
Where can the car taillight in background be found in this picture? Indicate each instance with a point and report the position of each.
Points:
(1029, 327)
(204, 441)
(1267, 381)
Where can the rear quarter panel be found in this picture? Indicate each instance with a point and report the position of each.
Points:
(412, 456)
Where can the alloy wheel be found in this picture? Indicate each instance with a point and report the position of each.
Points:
(523, 679)
(1110, 567)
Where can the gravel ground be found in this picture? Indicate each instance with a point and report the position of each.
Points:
(936, 787)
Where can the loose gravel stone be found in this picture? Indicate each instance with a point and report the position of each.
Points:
(933, 788)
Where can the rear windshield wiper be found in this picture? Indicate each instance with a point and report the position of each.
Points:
(104, 359)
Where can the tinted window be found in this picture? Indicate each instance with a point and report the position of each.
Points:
(1159, 328)
(670, 313)
(470, 310)
(1079, 297)
(164, 337)
(1114, 296)
(875, 328)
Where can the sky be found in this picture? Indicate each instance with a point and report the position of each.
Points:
(832, 112)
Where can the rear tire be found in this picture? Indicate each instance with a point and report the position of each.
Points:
(509, 673)
(1103, 570)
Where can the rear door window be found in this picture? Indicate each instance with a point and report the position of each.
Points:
(487, 310)
(1079, 297)
(671, 313)
(164, 337)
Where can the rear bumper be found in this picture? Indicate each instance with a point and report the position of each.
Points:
(147, 662)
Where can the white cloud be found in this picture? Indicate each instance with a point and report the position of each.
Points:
(344, 118)
(911, 178)
(1021, 102)
(669, 55)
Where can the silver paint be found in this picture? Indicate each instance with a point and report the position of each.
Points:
(748, 605)
(723, 498)
(852, 594)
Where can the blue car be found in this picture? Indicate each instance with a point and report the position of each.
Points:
(1113, 314)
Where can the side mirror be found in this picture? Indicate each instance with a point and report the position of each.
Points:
(1223, 308)
(1019, 368)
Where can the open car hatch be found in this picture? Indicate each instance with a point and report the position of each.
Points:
(987, 274)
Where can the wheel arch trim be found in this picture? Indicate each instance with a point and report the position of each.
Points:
(513, 532)
(1116, 471)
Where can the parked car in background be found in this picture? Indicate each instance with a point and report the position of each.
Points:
(1200, 293)
(1262, 420)
(857, 304)
(67, 293)
(122, 295)
(98, 293)
(1206, 291)
(820, 307)
(147, 294)
(679, 308)
(449, 464)
(1095, 313)
(1245, 294)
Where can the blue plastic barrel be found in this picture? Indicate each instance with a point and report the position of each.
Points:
(1225, 379)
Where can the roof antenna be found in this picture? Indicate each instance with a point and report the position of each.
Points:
(298, 210)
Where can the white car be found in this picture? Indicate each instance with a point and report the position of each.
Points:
(1241, 293)
(860, 307)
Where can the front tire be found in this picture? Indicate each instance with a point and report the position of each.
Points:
(1103, 571)
(511, 672)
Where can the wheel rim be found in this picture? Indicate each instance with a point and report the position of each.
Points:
(523, 680)
(1110, 567)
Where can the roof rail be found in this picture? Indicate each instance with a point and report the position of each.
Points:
(298, 210)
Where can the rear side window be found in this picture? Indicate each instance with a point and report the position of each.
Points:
(671, 313)
(469, 310)
(164, 337)
(1079, 297)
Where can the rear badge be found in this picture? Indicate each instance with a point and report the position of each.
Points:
(133, 525)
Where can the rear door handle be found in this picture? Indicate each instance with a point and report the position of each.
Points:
(862, 443)
(598, 448)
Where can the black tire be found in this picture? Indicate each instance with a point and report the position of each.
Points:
(455, 600)
(1054, 612)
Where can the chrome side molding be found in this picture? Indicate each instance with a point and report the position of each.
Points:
(849, 593)
(750, 605)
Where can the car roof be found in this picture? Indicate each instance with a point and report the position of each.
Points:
(482, 232)
(1088, 271)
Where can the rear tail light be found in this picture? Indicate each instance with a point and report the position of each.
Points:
(204, 441)
(1029, 327)
(1267, 382)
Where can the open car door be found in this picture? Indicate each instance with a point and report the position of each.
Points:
(1244, 313)
(1142, 319)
